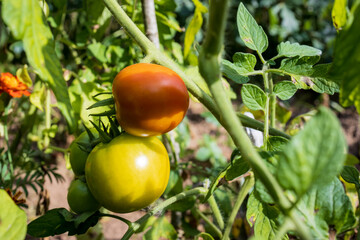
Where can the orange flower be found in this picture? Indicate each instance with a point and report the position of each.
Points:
(12, 85)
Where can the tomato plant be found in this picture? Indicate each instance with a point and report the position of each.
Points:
(128, 173)
(272, 186)
(150, 99)
(80, 198)
(79, 151)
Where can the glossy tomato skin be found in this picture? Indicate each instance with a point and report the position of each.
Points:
(80, 198)
(150, 99)
(129, 173)
(77, 155)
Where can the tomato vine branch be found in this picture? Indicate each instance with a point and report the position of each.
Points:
(245, 189)
(209, 222)
(267, 105)
(217, 214)
(137, 224)
(127, 222)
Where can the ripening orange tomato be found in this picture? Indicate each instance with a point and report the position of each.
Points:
(150, 99)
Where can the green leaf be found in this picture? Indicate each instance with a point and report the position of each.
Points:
(161, 229)
(306, 76)
(50, 224)
(263, 217)
(317, 149)
(12, 219)
(98, 50)
(338, 14)
(250, 32)
(23, 75)
(101, 103)
(351, 175)
(168, 21)
(27, 22)
(324, 206)
(60, 220)
(322, 82)
(94, 9)
(351, 160)
(233, 72)
(243, 63)
(287, 49)
(346, 61)
(194, 26)
(174, 181)
(238, 166)
(203, 154)
(277, 143)
(38, 96)
(299, 65)
(253, 97)
(285, 90)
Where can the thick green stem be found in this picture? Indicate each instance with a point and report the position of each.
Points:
(136, 225)
(248, 184)
(249, 122)
(209, 222)
(209, 67)
(217, 214)
(272, 104)
(267, 105)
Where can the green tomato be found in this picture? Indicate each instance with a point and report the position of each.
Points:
(77, 155)
(128, 173)
(80, 198)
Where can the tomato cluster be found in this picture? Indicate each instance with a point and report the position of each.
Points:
(132, 170)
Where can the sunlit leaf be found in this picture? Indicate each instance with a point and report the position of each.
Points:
(250, 32)
(12, 219)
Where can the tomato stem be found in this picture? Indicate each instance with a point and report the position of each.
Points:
(159, 208)
(272, 103)
(216, 230)
(209, 66)
(217, 214)
(245, 189)
(129, 223)
(267, 105)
